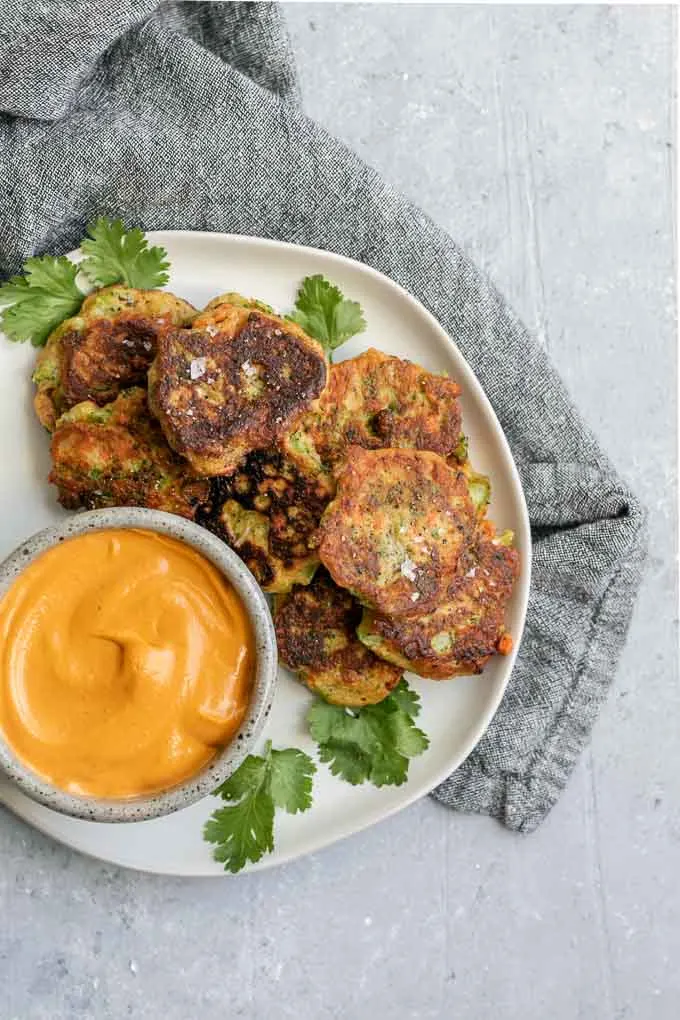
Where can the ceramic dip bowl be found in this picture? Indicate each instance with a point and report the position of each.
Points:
(226, 760)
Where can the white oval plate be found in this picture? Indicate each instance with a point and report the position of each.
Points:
(454, 714)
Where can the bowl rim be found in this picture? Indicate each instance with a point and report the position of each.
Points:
(226, 761)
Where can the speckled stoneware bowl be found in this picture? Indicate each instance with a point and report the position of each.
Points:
(226, 761)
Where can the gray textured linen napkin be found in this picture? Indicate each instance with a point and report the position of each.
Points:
(188, 116)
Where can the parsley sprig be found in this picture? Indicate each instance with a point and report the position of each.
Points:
(39, 300)
(373, 743)
(116, 255)
(49, 290)
(244, 830)
(326, 314)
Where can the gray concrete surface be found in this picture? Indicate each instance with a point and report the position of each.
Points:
(542, 138)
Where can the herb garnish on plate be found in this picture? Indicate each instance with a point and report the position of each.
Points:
(325, 313)
(49, 292)
(244, 830)
(373, 743)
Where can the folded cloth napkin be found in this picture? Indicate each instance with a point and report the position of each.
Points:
(187, 116)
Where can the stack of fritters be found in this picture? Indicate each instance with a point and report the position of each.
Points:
(222, 384)
(405, 536)
(106, 348)
(247, 374)
(346, 490)
(407, 540)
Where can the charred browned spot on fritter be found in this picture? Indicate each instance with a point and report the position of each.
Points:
(292, 501)
(110, 355)
(254, 556)
(219, 397)
(316, 634)
(269, 511)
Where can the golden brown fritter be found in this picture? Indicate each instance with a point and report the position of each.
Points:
(117, 456)
(462, 634)
(316, 634)
(229, 311)
(268, 511)
(377, 401)
(106, 348)
(220, 393)
(396, 529)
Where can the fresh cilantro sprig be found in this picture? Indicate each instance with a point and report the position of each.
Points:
(39, 300)
(372, 743)
(325, 314)
(48, 292)
(116, 255)
(244, 830)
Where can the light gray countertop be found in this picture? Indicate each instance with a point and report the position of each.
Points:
(541, 138)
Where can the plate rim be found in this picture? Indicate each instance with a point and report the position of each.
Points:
(522, 591)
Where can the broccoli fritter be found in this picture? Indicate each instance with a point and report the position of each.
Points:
(462, 634)
(395, 531)
(316, 634)
(377, 401)
(106, 348)
(269, 512)
(223, 391)
(229, 311)
(117, 456)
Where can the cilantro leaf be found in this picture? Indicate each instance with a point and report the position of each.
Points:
(14, 289)
(346, 761)
(116, 255)
(244, 830)
(406, 737)
(389, 770)
(290, 780)
(407, 700)
(325, 314)
(40, 300)
(372, 743)
(37, 302)
(248, 778)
